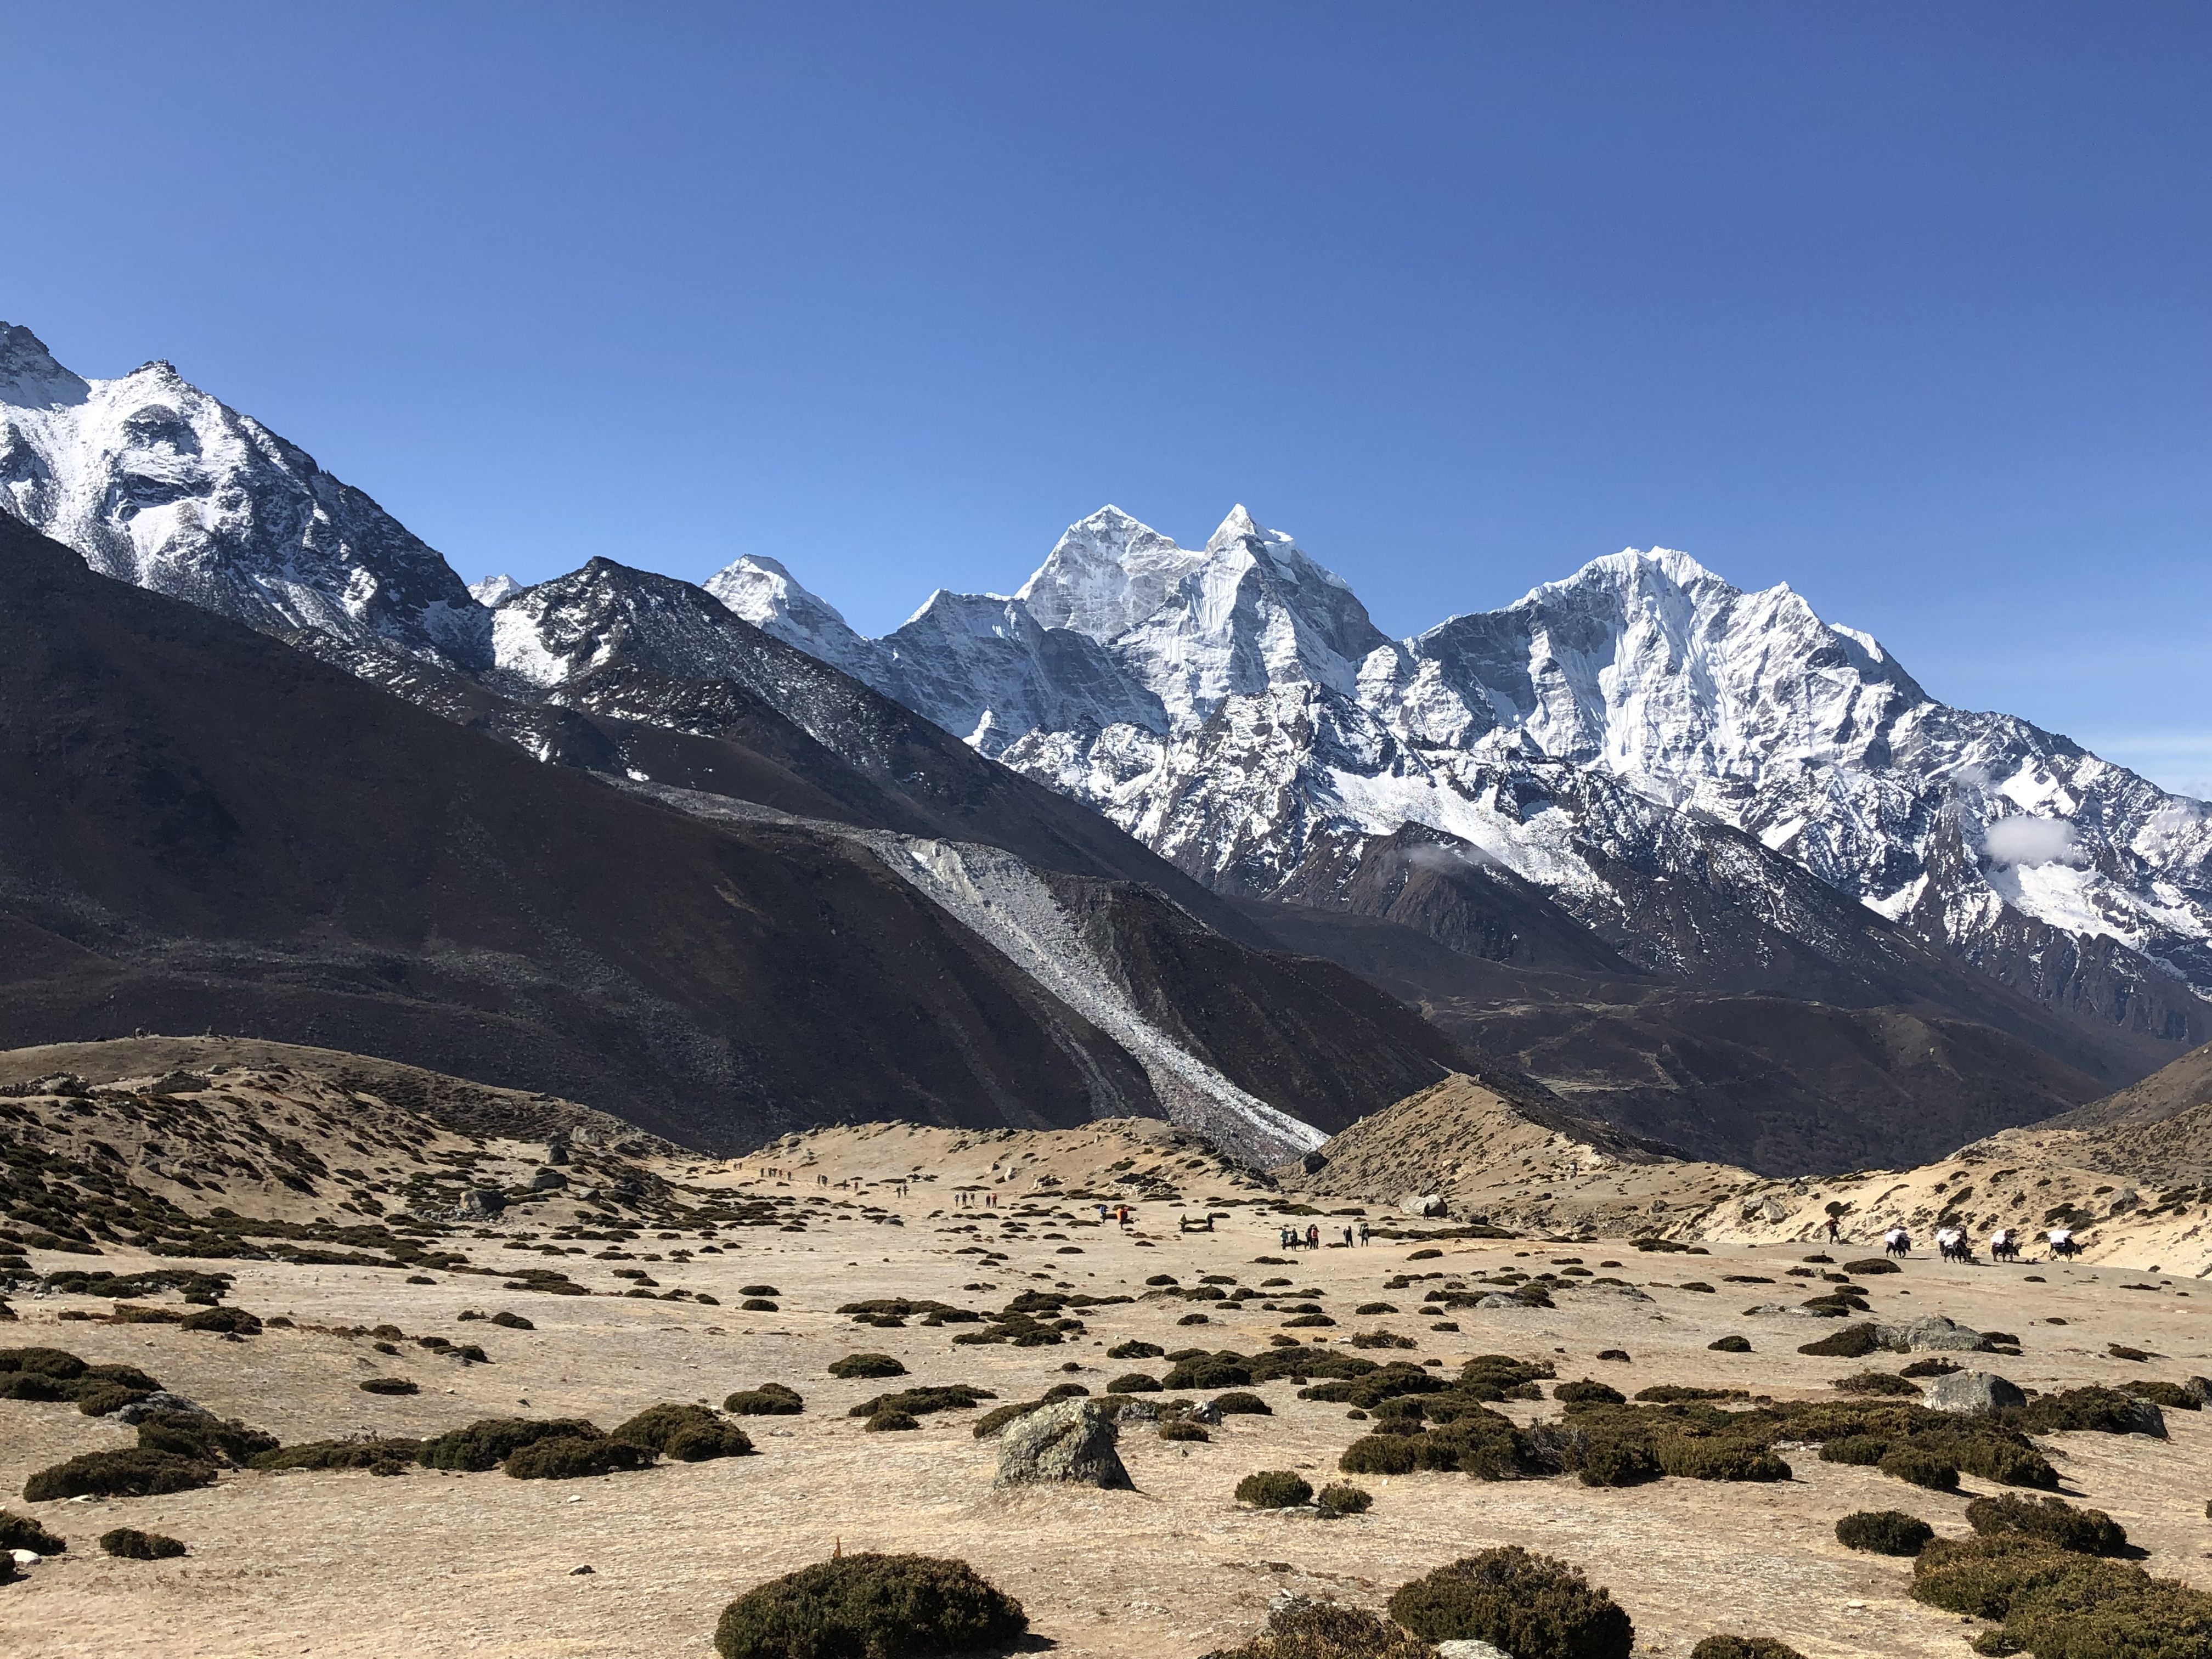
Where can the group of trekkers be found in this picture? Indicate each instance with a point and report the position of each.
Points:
(1291, 1239)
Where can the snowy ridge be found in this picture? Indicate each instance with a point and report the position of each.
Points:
(158, 485)
(1612, 716)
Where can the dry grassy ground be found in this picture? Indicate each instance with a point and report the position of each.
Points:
(438, 1563)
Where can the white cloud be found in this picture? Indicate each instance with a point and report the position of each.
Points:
(2024, 840)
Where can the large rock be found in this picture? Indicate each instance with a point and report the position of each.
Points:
(1932, 1333)
(2148, 1419)
(1973, 1393)
(1070, 1442)
(1424, 1204)
(1470, 1649)
(484, 1204)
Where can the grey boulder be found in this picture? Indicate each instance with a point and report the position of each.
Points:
(1470, 1649)
(1972, 1394)
(1070, 1442)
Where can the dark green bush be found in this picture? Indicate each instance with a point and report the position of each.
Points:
(1983, 1449)
(1379, 1454)
(769, 1400)
(377, 1455)
(1134, 1383)
(1532, 1606)
(1326, 1629)
(1135, 1351)
(1743, 1647)
(2108, 1411)
(19, 1532)
(998, 1416)
(690, 1434)
(231, 1322)
(1730, 1345)
(105, 1399)
(750, 1304)
(489, 1443)
(1877, 1382)
(1862, 1450)
(866, 1364)
(1920, 1468)
(56, 1363)
(918, 1402)
(512, 1322)
(758, 1289)
(1176, 1428)
(132, 1545)
(1884, 1532)
(2170, 1395)
(1982, 1576)
(204, 1438)
(1588, 1393)
(1274, 1489)
(891, 1421)
(1238, 1403)
(1341, 1497)
(33, 1386)
(1368, 1309)
(870, 1607)
(576, 1457)
(1871, 1264)
(388, 1385)
(2087, 1532)
(1717, 1458)
(1602, 1449)
(122, 1376)
(1931, 1368)
(1852, 1342)
(1668, 1394)
(133, 1472)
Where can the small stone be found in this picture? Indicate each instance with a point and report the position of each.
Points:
(578, 1572)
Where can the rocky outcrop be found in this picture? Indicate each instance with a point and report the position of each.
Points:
(1067, 1442)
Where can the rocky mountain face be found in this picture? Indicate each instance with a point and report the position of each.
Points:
(1623, 835)
(1704, 778)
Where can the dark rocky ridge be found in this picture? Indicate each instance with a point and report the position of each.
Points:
(206, 829)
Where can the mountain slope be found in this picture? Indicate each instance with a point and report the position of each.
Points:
(208, 829)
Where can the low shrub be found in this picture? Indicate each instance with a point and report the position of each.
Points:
(56, 1363)
(1975, 1447)
(1135, 1351)
(2170, 1395)
(1884, 1532)
(758, 1289)
(1852, 1342)
(1619, 1354)
(1237, 1403)
(1176, 1428)
(1532, 1606)
(1134, 1383)
(2107, 1410)
(2086, 1532)
(1379, 1454)
(576, 1457)
(33, 1386)
(1274, 1489)
(1934, 1367)
(866, 1364)
(1743, 1647)
(890, 1421)
(203, 1438)
(1326, 1629)
(769, 1400)
(20, 1532)
(131, 1545)
(870, 1607)
(133, 1472)
(1863, 1450)
(512, 1322)
(1369, 1310)
(1669, 1393)
(376, 1455)
(918, 1402)
(105, 1399)
(1588, 1393)
(387, 1385)
(1717, 1458)
(750, 1304)
(1342, 1497)
(1920, 1468)
(227, 1321)
(1870, 1265)
(1877, 1382)
(690, 1434)
(489, 1443)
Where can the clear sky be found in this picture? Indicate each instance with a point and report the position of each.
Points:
(1904, 304)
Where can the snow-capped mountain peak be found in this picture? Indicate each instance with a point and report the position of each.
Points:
(495, 591)
(157, 484)
(759, 589)
(1106, 573)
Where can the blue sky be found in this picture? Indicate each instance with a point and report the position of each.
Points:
(1905, 305)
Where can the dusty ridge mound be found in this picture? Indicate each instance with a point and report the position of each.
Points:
(1516, 1164)
(285, 1156)
(453, 1102)
(2165, 1094)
